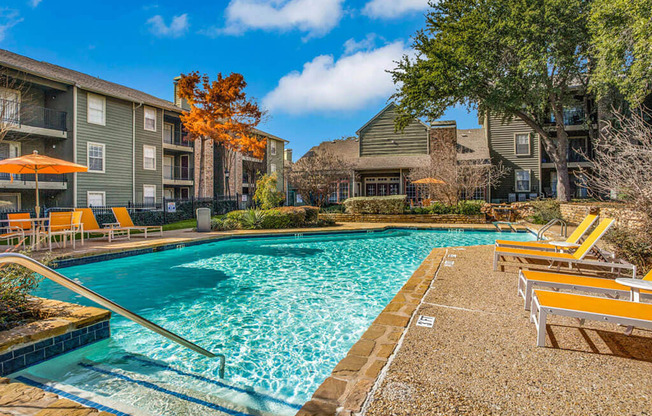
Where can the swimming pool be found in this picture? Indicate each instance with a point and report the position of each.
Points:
(283, 310)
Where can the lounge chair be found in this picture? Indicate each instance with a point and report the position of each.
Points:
(124, 219)
(623, 312)
(529, 279)
(91, 226)
(578, 258)
(574, 238)
(59, 224)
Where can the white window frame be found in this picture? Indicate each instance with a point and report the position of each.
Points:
(88, 109)
(88, 194)
(149, 186)
(171, 125)
(88, 156)
(145, 109)
(529, 144)
(146, 146)
(272, 147)
(13, 194)
(529, 172)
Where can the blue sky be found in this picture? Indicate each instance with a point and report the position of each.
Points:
(318, 66)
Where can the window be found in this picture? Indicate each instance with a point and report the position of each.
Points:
(523, 180)
(185, 193)
(272, 144)
(168, 167)
(522, 143)
(11, 201)
(9, 106)
(150, 119)
(344, 191)
(96, 198)
(96, 109)
(149, 157)
(272, 167)
(149, 194)
(95, 160)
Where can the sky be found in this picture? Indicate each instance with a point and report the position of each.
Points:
(317, 66)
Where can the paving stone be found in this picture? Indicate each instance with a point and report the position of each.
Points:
(375, 368)
(330, 389)
(363, 348)
(392, 320)
(385, 350)
(374, 332)
(318, 408)
(349, 365)
(355, 399)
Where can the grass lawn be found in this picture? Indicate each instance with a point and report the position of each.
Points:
(179, 225)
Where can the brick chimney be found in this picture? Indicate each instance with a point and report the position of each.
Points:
(443, 135)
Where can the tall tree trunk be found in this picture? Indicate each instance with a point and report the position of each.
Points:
(561, 156)
(202, 167)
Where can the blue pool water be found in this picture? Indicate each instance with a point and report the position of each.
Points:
(283, 310)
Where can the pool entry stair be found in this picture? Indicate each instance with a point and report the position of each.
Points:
(112, 385)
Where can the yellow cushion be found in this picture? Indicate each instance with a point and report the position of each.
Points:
(591, 304)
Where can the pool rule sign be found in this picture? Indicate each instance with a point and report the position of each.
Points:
(426, 321)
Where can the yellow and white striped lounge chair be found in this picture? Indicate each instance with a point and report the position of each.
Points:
(124, 219)
(623, 312)
(574, 238)
(578, 258)
(530, 279)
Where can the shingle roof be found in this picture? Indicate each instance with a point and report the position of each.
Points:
(84, 81)
(471, 145)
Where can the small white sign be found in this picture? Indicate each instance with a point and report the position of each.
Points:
(449, 263)
(452, 256)
(426, 321)
(245, 197)
(172, 207)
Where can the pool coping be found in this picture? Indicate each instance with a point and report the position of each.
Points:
(157, 247)
(346, 390)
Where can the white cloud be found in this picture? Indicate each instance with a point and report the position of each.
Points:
(8, 19)
(316, 17)
(350, 83)
(369, 42)
(387, 9)
(177, 27)
(34, 3)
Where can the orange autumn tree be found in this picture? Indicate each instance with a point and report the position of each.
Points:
(220, 113)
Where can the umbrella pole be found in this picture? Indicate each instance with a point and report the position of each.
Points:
(38, 207)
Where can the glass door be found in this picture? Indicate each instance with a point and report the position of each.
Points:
(168, 167)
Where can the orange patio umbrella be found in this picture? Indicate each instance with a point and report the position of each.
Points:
(36, 164)
(428, 181)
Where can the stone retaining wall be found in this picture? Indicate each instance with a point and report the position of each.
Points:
(345, 391)
(66, 327)
(574, 213)
(408, 218)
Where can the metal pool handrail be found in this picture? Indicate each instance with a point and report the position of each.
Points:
(35, 266)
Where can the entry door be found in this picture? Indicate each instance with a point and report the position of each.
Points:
(168, 193)
(168, 167)
(185, 167)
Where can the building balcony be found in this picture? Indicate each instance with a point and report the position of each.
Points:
(174, 140)
(33, 120)
(28, 181)
(178, 175)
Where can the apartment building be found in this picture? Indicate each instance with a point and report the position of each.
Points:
(132, 142)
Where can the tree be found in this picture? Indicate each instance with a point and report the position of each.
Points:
(621, 33)
(621, 171)
(459, 177)
(221, 113)
(314, 175)
(525, 59)
(267, 194)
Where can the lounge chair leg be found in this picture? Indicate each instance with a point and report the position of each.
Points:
(628, 330)
(541, 328)
(495, 262)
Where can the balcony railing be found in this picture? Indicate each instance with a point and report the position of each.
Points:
(177, 138)
(574, 155)
(29, 177)
(15, 113)
(178, 173)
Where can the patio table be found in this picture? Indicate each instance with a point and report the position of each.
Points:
(560, 246)
(37, 225)
(635, 285)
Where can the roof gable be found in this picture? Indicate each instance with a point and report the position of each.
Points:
(387, 108)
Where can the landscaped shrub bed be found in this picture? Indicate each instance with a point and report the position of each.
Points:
(277, 218)
(545, 210)
(461, 208)
(393, 204)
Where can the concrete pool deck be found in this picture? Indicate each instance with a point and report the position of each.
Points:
(480, 357)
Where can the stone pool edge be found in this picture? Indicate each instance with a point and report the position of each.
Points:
(345, 391)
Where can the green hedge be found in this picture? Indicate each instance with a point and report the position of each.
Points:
(462, 208)
(393, 204)
(277, 218)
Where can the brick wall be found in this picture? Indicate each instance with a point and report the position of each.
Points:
(627, 217)
(415, 218)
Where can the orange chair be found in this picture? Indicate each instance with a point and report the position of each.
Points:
(59, 224)
(124, 219)
(91, 226)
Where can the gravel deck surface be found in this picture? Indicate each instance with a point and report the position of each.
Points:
(481, 358)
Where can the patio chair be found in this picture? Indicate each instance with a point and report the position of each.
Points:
(12, 234)
(622, 312)
(59, 224)
(91, 226)
(17, 224)
(577, 259)
(124, 219)
(530, 279)
(574, 238)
